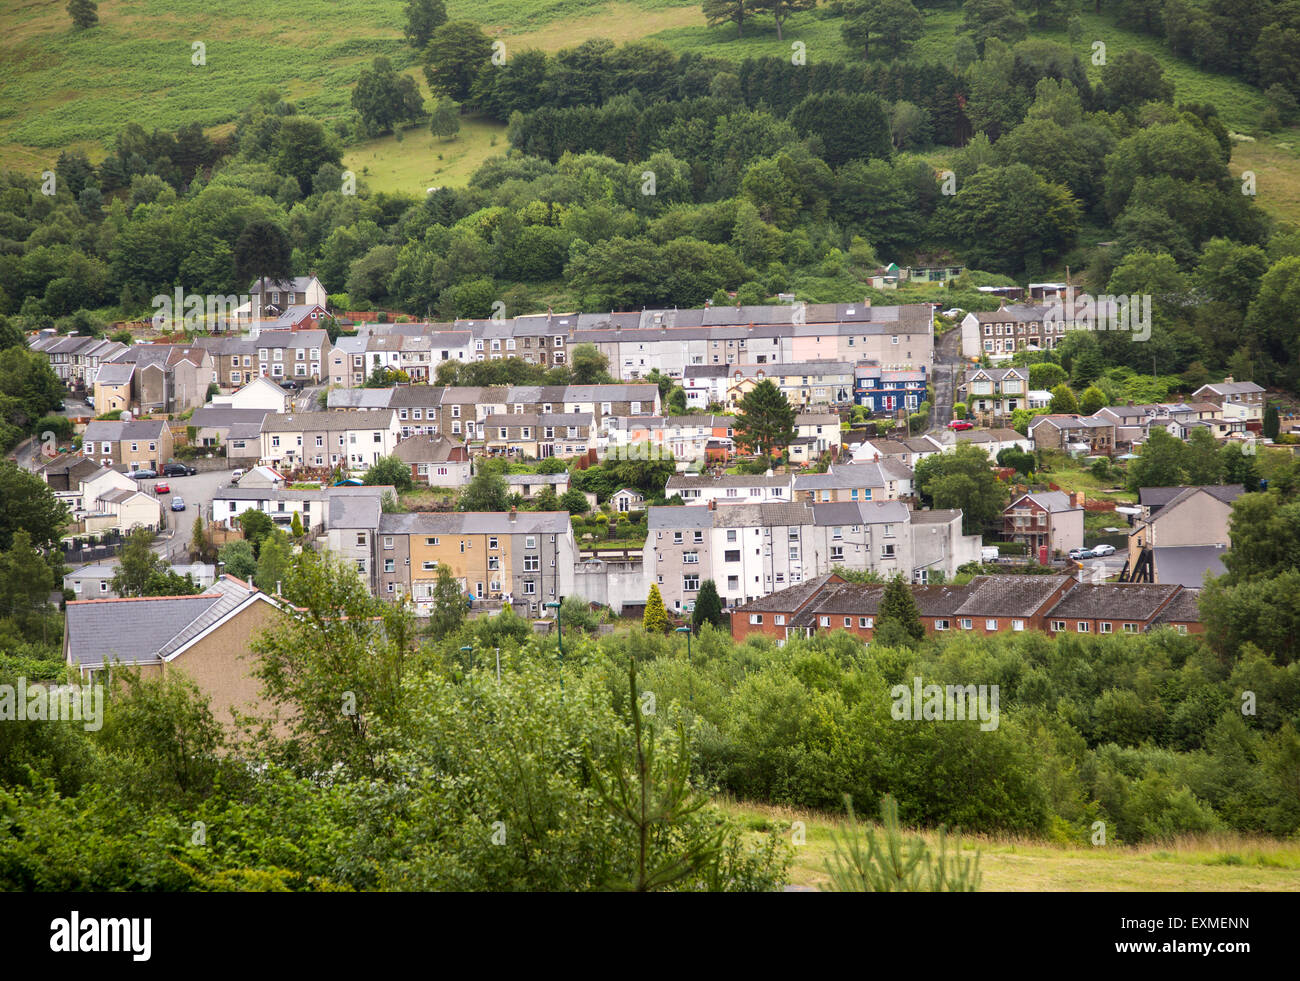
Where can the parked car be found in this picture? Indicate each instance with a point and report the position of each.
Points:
(954, 312)
(234, 477)
(90, 401)
(178, 503)
(1099, 550)
(143, 474)
(961, 424)
(1082, 553)
(162, 488)
(178, 470)
(289, 383)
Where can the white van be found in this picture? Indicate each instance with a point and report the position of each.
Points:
(988, 554)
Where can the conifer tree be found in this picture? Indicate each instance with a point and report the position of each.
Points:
(708, 606)
(655, 620)
(898, 606)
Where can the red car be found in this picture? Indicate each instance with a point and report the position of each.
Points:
(961, 424)
(161, 488)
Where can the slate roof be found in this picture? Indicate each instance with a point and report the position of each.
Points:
(1183, 608)
(475, 523)
(427, 449)
(855, 475)
(359, 398)
(113, 373)
(1114, 601)
(1162, 497)
(1186, 565)
(223, 417)
(704, 481)
(789, 598)
(112, 431)
(142, 631)
(839, 513)
(293, 422)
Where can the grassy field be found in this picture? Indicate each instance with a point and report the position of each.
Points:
(76, 89)
(420, 160)
(1219, 863)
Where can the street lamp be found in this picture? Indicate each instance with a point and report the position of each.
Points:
(690, 674)
(559, 631)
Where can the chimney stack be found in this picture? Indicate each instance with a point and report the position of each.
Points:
(513, 515)
(713, 504)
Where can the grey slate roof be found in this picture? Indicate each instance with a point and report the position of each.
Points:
(839, 513)
(111, 431)
(223, 417)
(704, 481)
(359, 398)
(1183, 608)
(1114, 601)
(475, 523)
(1186, 565)
(134, 631)
(114, 374)
(855, 475)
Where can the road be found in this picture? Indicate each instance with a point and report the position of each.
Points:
(947, 362)
(197, 492)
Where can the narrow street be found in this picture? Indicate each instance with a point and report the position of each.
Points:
(947, 363)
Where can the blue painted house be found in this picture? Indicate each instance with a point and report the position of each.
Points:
(888, 390)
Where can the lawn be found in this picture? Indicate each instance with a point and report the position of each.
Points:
(420, 160)
(1220, 863)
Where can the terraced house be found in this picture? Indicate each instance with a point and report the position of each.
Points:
(76, 359)
(751, 550)
(297, 355)
(985, 605)
(354, 440)
(525, 558)
(140, 444)
(887, 480)
(165, 377)
(538, 436)
(1002, 332)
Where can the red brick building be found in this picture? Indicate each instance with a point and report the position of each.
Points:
(985, 605)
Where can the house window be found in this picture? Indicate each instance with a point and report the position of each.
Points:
(1130, 628)
(866, 623)
(691, 558)
(428, 566)
(431, 541)
(1017, 624)
(965, 623)
(990, 625)
(530, 542)
(941, 625)
(1103, 627)
(756, 618)
(677, 538)
(390, 565)
(691, 584)
(1058, 625)
(1084, 626)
